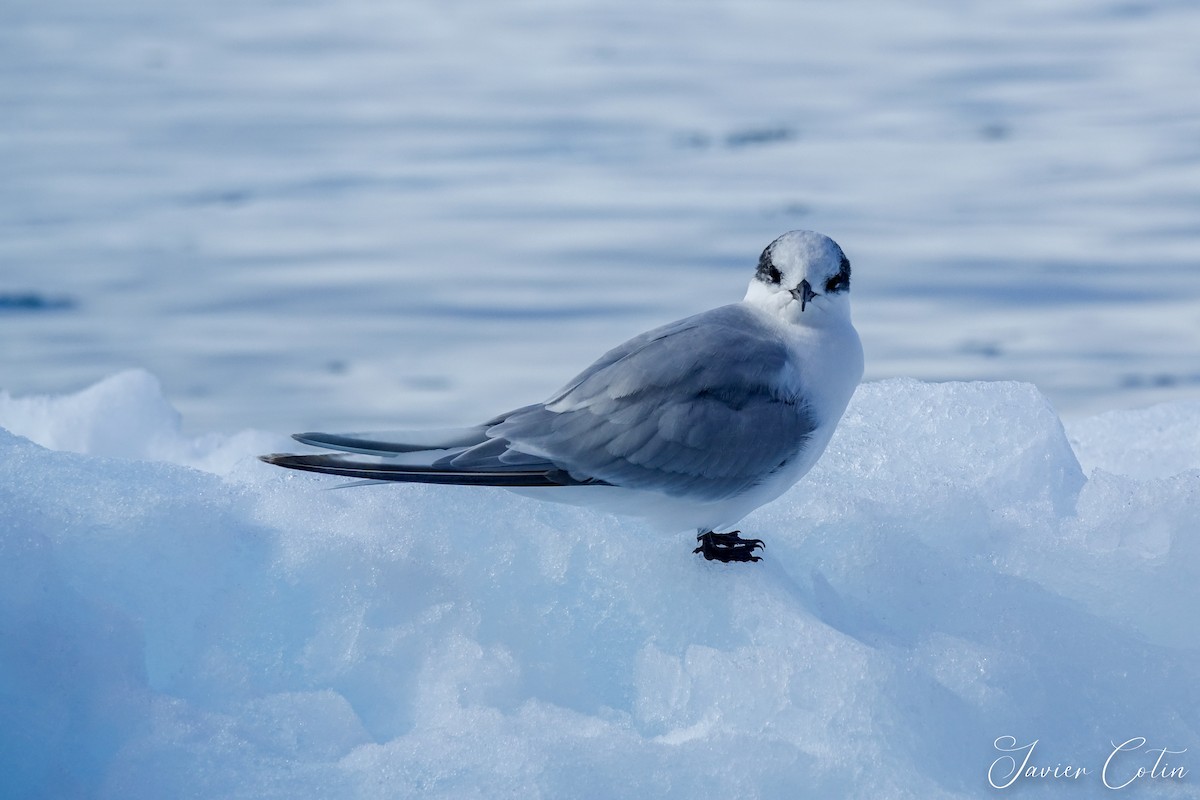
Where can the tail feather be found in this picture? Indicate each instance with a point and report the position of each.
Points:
(340, 465)
(393, 443)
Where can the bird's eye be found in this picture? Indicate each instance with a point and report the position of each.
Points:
(841, 281)
(767, 271)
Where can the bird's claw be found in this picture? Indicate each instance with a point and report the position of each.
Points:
(726, 547)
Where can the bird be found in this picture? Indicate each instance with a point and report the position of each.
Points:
(689, 426)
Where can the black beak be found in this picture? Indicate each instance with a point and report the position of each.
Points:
(803, 293)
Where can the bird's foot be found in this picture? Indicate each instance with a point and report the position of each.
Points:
(727, 547)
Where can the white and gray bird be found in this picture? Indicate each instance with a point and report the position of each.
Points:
(692, 425)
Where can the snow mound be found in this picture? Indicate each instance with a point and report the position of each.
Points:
(1155, 442)
(126, 416)
(947, 575)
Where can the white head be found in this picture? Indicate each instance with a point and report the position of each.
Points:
(803, 277)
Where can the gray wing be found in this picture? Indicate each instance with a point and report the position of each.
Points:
(692, 408)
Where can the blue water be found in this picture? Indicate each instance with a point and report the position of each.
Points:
(357, 215)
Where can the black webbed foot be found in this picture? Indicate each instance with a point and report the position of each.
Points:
(727, 547)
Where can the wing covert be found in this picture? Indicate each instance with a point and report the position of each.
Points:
(698, 407)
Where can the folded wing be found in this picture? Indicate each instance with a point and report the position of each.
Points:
(704, 407)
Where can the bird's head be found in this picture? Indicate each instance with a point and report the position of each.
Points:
(804, 277)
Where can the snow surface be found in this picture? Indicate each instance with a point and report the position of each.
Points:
(180, 620)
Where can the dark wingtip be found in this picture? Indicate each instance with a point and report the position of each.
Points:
(274, 458)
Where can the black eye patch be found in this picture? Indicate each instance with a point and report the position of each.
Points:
(841, 281)
(767, 271)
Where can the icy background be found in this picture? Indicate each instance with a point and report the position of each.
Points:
(357, 215)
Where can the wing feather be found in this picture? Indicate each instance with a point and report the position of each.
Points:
(395, 442)
(705, 407)
(698, 407)
(382, 471)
